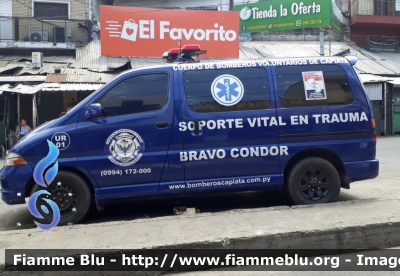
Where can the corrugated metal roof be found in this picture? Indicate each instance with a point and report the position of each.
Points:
(142, 62)
(90, 57)
(250, 52)
(389, 60)
(13, 65)
(22, 88)
(58, 59)
(90, 67)
(293, 48)
(368, 78)
(84, 76)
(263, 51)
(385, 63)
(47, 68)
(13, 58)
(3, 63)
(372, 67)
(56, 78)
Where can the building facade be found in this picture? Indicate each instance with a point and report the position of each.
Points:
(375, 24)
(49, 24)
(221, 5)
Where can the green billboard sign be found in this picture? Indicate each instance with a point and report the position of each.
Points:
(336, 25)
(279, 15)
(337, 19)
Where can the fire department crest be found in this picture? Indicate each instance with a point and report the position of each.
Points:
(125, 146)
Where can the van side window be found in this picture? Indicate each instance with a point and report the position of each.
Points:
(136, 94)
(291, 87)
(198, 84)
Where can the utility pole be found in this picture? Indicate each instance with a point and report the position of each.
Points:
(329, 33)
(18, 109)
(321, 42)
(231, 5)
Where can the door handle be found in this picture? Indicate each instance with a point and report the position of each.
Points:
(162, 124)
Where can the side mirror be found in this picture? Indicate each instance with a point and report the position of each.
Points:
(94, 111)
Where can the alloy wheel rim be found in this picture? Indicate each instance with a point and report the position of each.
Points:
(314, 184)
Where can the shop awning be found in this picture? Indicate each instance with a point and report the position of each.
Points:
(395, 81)
(71, 86)
(368, 78)
(31, 78)
(21, 88)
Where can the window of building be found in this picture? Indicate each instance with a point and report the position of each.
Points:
(204, 8)
(198, 84)
(291, 86)
(136, 94)
(168, 8)
(51, 10)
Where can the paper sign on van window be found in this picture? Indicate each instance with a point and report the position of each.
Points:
(314, 85)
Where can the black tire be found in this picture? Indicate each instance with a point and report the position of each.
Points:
(72, 197)
(311, 181)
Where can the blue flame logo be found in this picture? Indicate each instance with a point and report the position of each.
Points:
(45, 181)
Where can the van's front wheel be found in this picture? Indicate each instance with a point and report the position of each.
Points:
(70, 193)
(313, 180)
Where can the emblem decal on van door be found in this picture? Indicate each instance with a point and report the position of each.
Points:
(125, 147)
(227, 90)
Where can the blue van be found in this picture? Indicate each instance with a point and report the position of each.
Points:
(301, 124)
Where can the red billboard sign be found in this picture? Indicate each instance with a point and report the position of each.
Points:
(146, 32)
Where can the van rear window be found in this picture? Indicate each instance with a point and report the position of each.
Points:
(292, 91)
(198, 90)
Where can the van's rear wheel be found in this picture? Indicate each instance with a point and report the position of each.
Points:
(70, 193)
(313, 180)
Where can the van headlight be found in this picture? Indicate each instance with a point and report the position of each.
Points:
(14, 159)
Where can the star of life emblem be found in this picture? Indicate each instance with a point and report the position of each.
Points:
(125, 146)
(227, 90)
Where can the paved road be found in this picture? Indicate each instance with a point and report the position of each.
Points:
(384, 187)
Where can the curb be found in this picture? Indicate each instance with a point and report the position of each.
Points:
(371, 236)
(363, 237)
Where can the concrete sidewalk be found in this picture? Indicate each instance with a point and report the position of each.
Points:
(369, 219)
(354, 224)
